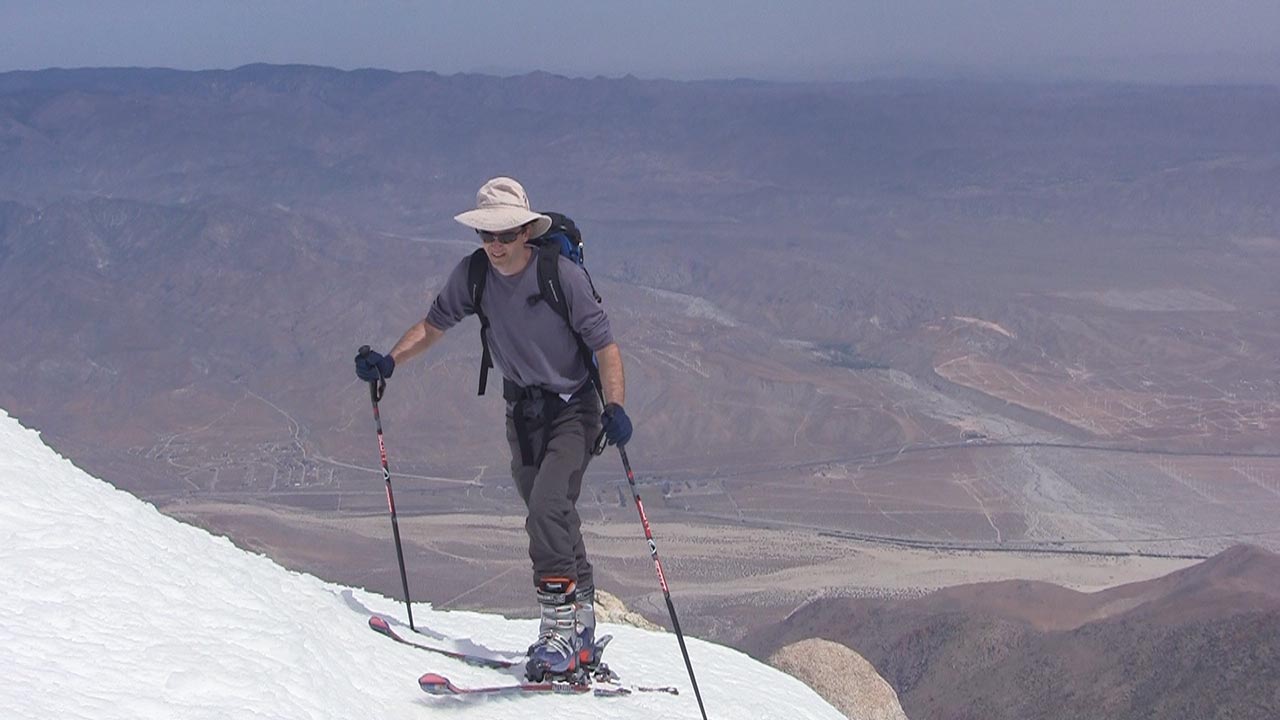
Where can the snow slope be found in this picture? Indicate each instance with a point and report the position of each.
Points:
(109, 609)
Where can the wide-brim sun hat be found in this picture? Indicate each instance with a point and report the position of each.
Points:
(501, 205)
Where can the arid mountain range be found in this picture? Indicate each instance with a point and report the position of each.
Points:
(1027, 321)
(822, 291)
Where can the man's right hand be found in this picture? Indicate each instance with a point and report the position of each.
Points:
(372, 366)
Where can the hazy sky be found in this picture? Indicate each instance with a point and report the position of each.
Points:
(1142, 39)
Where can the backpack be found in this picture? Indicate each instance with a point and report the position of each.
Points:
(562, 238)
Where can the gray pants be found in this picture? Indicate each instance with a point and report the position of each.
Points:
(550, 488)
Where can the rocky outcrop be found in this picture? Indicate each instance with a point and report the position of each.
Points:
(842, 677)
(610, 609)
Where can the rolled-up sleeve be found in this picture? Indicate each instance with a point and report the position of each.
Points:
(454, 300)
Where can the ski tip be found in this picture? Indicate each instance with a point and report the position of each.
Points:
(379, 623)
(436, 684)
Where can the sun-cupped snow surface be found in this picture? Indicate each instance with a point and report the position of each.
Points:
(110, 609)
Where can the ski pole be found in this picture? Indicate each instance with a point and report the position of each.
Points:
(662, 577)
(376, 388)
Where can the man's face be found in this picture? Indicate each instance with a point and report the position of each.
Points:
(507, 250)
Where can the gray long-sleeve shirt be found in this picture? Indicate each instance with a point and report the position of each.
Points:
(530, 344)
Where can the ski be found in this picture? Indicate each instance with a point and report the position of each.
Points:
(435, 684)
(381, 626)
(607, 682)
(667, 689)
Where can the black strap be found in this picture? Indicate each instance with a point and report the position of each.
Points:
(527, 457)
(518, 396)
(477, 273)
(549, 280)
(532, 409)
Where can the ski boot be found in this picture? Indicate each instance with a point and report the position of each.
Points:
(589, 648)
(555, 655)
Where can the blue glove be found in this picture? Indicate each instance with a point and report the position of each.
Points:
(372, 366)
(617, 426)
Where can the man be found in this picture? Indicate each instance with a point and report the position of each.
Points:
(553, 414)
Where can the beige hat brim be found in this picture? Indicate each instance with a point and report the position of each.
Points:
(501, 219)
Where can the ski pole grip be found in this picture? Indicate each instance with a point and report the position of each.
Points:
(376, 387)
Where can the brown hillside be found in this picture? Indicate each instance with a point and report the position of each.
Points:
(1203, 642)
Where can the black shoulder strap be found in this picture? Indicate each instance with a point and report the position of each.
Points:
(549, 280)
(477, 273)
(551, 291)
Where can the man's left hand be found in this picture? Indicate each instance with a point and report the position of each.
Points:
(617, 426)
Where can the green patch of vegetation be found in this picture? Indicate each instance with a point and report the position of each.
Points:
(844, 355)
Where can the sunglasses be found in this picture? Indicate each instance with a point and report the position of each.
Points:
(504, 238)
